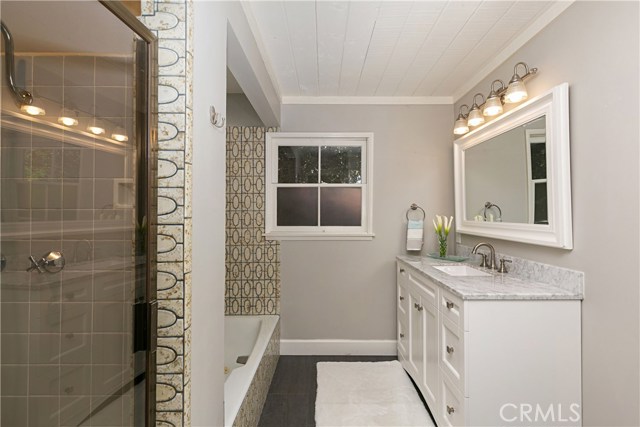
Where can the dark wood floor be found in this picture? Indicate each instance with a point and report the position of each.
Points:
(291, 401)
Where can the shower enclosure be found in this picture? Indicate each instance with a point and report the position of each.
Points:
(77, 216)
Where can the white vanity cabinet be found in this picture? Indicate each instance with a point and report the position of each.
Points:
(489, 362)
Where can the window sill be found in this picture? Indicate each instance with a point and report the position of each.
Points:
(281, 235)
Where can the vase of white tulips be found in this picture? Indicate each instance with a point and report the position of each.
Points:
(442, 225)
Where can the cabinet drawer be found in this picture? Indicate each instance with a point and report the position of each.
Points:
(452, 404)
(403, 339)
(452, 352)
(429, 290)
(451, 307)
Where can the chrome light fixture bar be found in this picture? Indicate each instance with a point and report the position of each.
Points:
(513, 93)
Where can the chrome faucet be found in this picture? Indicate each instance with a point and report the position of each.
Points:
(492, 256)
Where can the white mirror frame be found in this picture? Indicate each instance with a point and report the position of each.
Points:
(554, 105)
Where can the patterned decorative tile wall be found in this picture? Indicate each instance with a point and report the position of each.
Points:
(253, 402)
(252, 263)
(171, 21)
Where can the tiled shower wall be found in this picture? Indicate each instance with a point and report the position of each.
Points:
(66, 337)
(171, 21)
(252, 263)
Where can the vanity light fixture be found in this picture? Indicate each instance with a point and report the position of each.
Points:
(68, 117)
(513, 93)
(475, 115)
(120, 135)
(461, 127)
(493, 106)
(96, 127)
(517, 91)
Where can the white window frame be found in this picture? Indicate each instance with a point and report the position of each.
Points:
(360, 139)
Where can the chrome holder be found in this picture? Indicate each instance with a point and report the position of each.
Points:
(22, 96)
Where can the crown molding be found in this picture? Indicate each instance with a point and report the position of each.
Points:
(367, 100)
(541, 22)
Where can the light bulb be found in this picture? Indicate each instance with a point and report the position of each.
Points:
(96, 127)
(493, 106)
(32, 110)
(68, 117)
(516, 92)
(120, 135)
(460, 127)
(96, 130)
(475, 117)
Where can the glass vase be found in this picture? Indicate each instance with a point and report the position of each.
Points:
(442, 244)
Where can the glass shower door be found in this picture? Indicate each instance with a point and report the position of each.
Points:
(73, 218)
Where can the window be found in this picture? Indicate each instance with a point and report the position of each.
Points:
(319, 186)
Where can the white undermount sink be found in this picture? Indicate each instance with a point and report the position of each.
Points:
(460, 270)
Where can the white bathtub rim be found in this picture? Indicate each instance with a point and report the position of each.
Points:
(239, 380)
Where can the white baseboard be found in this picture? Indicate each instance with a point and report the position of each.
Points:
(338, 347)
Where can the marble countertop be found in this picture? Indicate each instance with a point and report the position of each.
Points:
(496, 287)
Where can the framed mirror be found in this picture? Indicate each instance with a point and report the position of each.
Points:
(512, 175)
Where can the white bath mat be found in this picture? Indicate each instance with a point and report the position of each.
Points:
(367, 394)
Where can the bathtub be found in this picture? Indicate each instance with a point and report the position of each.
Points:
(246, 385)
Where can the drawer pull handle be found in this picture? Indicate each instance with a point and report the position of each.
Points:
(401, 335)
(402, 270)
(401, 298)
(450, 410)
(450, 305)
(449, 349)
(419, 307)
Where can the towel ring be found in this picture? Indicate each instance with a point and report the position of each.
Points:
(489, 205)
(416, 207)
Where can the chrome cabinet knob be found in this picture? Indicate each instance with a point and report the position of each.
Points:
(450, 305)
(450, 410)
(449, 349)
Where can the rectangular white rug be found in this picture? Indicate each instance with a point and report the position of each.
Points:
(359, 394)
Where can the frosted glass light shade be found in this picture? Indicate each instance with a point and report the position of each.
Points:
(68, 117)
(460, 127)
(493, 106)
(516, 92)
(32, 110)
(120, 135)
(475, 117)
(96, 128)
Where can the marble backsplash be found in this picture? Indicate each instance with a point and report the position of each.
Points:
(564, 278)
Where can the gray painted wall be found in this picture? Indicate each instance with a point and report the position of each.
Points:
(240, 112)
(346, 289)
(594, 47)
(496, 171)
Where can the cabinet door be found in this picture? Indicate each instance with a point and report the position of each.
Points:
(429, 378)
(416, 335)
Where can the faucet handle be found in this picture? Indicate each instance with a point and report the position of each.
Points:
(503, 268)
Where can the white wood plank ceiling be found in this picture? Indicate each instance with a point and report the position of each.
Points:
(387, 48)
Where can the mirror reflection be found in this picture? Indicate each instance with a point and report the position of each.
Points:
(506, 176)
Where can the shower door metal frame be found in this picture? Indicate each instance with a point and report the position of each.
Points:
(146, 198)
